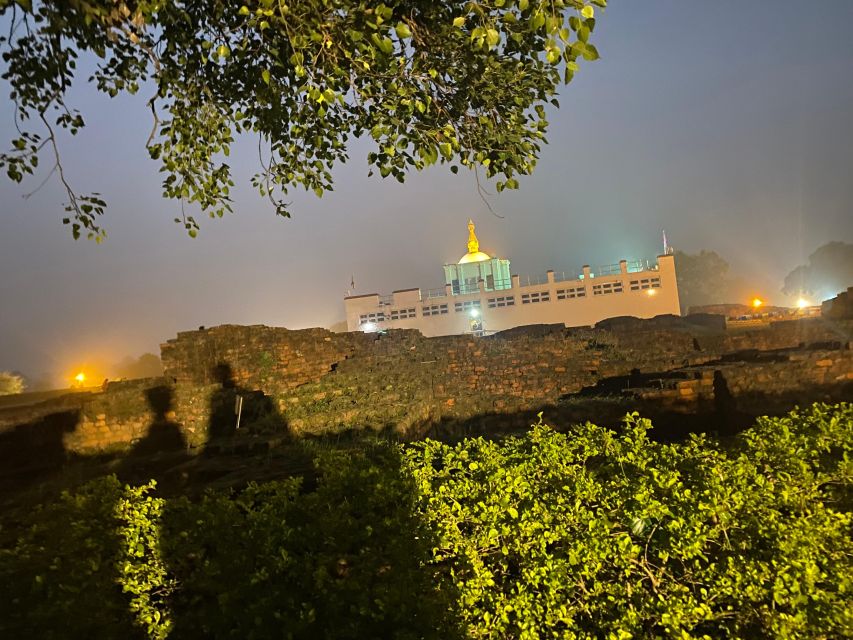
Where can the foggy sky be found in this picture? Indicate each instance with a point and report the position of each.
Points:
(729, 124)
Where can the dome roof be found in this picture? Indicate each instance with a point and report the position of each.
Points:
(477, 256)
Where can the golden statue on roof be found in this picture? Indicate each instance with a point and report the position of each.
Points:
(473, 243)
(474, 254)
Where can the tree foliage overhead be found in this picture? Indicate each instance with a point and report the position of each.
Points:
(459, 82)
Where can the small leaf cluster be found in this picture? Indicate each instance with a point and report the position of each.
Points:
(460, 82)
(142, 572)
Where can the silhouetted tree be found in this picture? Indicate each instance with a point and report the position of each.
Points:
(830, 270)
(702, 278)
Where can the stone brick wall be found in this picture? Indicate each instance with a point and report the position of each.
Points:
(316, 382)
(840, 307)
(259, 356)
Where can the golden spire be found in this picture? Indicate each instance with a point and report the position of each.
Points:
(474, 254)
(473, 243)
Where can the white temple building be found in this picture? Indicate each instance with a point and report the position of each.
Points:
(480, 296)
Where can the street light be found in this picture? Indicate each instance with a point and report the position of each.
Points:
(475, 313)
(757, 302)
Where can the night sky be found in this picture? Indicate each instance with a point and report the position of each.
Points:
(729, 124)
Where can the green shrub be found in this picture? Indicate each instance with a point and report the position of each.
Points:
(588, 534)
(345, 560)
(591, 534)
(60, 579)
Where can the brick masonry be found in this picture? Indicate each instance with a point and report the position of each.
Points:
(313, 382)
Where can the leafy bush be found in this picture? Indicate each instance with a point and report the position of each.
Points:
(10, 383)
(588, 534)
(59, 580)
(345, 560)
(594, 534)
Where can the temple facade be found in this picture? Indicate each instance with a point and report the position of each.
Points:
(481, 296)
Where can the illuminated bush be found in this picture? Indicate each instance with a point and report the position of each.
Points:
(588, 534)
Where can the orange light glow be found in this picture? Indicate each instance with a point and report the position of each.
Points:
(80, 378)
(651, 292)
(757, 302)
(802, 303)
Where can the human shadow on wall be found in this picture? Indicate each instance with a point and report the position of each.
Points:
(163, 446)
(237, 411)
(31, 451)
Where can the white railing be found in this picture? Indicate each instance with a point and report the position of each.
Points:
(564, 276)
(533, 280)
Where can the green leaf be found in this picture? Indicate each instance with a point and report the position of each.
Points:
(403, 31)
(265, 76)
(459, 22)
(590, 52)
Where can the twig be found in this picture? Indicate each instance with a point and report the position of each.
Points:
(58, 165)
(481, 191)
(26, 196)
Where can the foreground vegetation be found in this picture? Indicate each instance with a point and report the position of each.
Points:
(587, 534)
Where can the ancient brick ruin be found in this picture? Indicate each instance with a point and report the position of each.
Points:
(312, 382)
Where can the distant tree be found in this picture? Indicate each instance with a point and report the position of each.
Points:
(703, 278)
(830, 270)
(146, 366)
(10, 383)
(42, 382)
(450, 82)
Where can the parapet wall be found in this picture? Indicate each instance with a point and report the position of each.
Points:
(312, 381)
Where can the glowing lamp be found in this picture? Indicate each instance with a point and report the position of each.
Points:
(475, 313)
(651, 292)
(80, 378)
(367, 327)
(802, 303)
(757, 302)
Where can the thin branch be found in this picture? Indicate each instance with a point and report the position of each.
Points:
(156, 123)
(27, 196)
(483, 193)
(58, 166)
